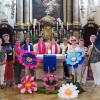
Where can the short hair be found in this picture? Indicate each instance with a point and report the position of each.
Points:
(73, 38)
(65, 39)
(81, 39)
(5, 35)
(93, 36)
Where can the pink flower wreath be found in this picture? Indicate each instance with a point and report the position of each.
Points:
(28, 59)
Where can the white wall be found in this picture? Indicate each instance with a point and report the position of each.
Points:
(83, 11)
(97, 15)
(91, 8)
(5, 11)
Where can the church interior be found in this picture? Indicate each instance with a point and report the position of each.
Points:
(48, 47)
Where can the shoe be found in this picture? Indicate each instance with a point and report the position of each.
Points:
(11, 85)
(2, 86)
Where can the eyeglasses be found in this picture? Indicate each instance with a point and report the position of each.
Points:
(73, 40)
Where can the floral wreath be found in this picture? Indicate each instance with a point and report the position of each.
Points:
(50, 82)
(29, 59)
(28, 85)
(74, 59)
(68, 91)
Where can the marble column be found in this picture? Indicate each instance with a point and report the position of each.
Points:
(19, 11)
(31, 17)
(76, 19)
(69, 13)
(65, 12)
(76, 12)
(26, 11)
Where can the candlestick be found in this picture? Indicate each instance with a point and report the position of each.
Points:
(34, 30)
(34, 24)
(57, 26)
(67, 26)
(39, 28)
(62, 25)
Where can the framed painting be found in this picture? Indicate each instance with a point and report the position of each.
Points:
(40, 8)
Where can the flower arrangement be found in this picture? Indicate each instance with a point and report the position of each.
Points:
(68, 91)
(50, 82)
(28, 85)
(29, 59)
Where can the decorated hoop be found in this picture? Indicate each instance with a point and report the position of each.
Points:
(29, 59)
(28, 85)
(68, 91)
(74, 59)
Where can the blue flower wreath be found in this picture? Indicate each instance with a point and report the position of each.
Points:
(74, 59)
(29, 56)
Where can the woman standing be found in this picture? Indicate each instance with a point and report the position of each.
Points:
(41, 46)
(9, 64)
(27, 46)
(17, 65)
(94, 56)
(74, 47)
(82, 68)
(64, 48)
(54, 47)
(3, 57)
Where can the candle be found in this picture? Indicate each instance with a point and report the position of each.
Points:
(28, 48)
(34, 26)
(64, 32)
(49, 51)
(57, 26)
(39, 28)
(67, 26)
(35, 21)
(62, 25)
(34, 29)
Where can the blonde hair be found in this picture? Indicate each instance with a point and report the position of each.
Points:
(81, 39)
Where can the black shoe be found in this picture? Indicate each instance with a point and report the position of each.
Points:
(2, 87)
(11, 85)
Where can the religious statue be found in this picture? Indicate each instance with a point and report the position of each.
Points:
(47, 22)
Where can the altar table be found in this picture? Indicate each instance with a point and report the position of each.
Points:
(59, 64)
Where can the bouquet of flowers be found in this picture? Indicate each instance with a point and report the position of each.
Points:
(50, 82)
